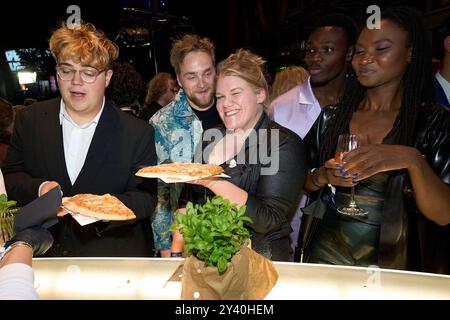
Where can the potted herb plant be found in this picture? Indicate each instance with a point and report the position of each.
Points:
(7, 210)
(220, 264)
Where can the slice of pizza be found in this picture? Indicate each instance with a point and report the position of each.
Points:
(104, 207)
(180, 171)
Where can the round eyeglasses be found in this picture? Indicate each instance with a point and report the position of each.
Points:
(87, 75)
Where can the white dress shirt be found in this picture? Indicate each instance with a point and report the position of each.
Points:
(296, 109)
(77, 140)
(2, 183)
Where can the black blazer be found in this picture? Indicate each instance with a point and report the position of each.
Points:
(120, 146)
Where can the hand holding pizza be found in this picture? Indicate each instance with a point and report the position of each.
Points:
(47, 186)
(103, 207)
(205, 182)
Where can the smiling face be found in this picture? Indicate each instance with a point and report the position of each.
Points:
(381, 55)
(239, 104)
(327, 54)
(197, 79)
(82, 100)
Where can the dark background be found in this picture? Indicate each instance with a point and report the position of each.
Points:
(275, 29)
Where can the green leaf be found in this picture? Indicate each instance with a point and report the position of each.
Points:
(222, 264)
(213, 231)
(3, 197)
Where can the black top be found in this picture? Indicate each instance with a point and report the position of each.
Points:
(273, 178)
(209, 118)
(149, 110)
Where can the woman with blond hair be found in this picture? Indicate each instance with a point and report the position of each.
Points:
(270, 186)
(161, 90)
(287, 79)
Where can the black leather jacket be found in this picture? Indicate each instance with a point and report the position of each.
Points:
(408, 240)
(272, 197)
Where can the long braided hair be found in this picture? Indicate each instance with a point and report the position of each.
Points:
(418, 84)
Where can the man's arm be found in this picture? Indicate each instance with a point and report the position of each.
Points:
(141, 193)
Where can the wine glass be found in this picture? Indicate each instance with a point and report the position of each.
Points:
(346, 143)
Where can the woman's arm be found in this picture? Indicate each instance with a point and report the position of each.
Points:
(225, 189)
(278, 189)
(16, 275)
(18, 254)
(278, 192)
(431, 193)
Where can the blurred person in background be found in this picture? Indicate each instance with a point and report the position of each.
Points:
(6, 127)
(287, 79)
(442, 77)
(162, 89)
(125, 88)
(18, 108)
(29, 101)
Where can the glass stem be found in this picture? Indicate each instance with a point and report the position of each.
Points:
(352, 201)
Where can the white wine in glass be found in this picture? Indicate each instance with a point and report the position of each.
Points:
(346, 143)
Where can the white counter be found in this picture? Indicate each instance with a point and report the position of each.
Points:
(139, 278)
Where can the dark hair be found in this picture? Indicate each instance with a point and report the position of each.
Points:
(126, 85)
(418, 84)
(341, 21)
(29, 101)
(6, 118)
(441, 33)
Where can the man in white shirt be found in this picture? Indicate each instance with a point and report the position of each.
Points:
(329, 52)
(83, 144)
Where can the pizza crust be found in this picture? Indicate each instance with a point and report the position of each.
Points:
(109, 207)
(180, 171)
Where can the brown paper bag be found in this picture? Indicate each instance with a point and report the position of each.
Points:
(249, 276)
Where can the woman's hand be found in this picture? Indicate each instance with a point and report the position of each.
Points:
(224, 188)
(205, 182)
(368, 160)
(177, 238)
(332, 174)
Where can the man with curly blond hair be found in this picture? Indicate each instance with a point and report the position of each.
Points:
(83, 144)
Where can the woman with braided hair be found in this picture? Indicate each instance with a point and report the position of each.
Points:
(402, 177)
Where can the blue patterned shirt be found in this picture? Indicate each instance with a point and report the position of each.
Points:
(177, 133)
